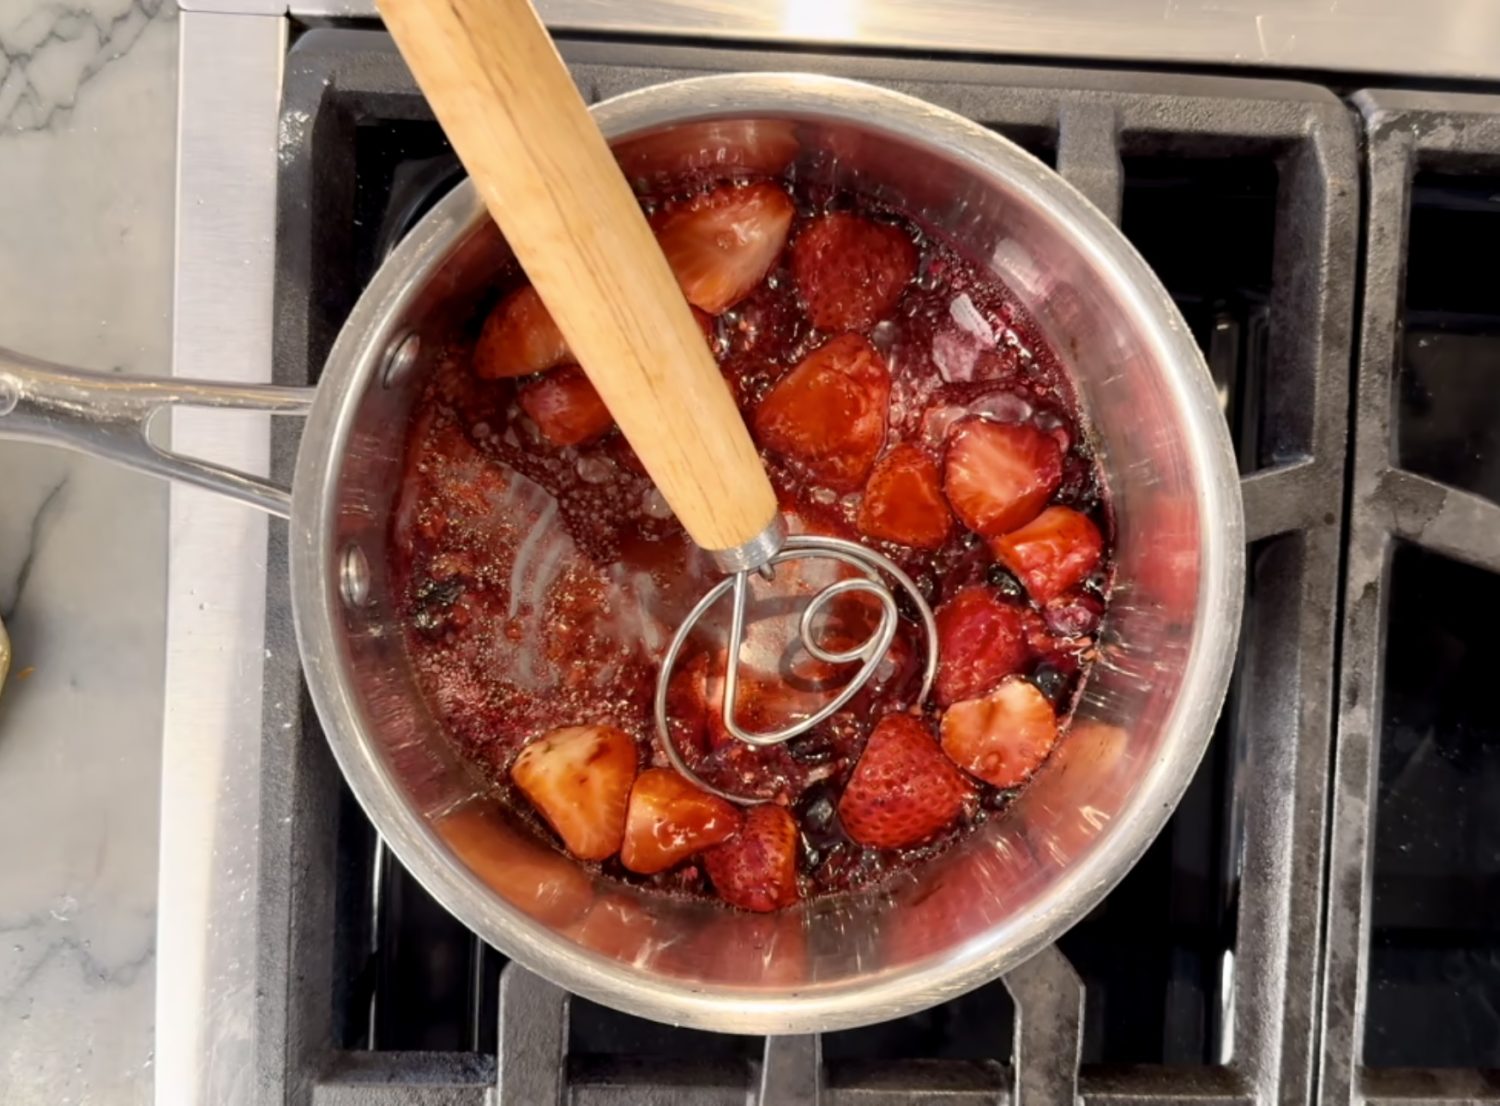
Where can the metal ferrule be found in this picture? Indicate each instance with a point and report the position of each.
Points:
(754, 553)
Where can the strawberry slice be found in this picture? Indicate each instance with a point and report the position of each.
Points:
(757, 868)
(578, 778)
(850, 270)
(829, 412)
(669, 820)
(519, 338)
(1052, 553)
(565, 407)
(1004, 737)
(904, 501)
(998, 476)
(903, 790)
(722, 243)
(981, 640)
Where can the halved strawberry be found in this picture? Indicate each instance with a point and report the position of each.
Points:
(670, 820)
(829, 412)
(578, 778)
(851, 270)
(903, 790)
(519, 338)
(1004, 737)
(1053, 552)
(982, 638)
(721, 244)
(998, 476)
(904, 500)
(565, 407)
(757, 868)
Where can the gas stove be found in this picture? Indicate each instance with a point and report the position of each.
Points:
(1318, 918)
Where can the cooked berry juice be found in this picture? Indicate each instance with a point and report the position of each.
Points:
(899, 397)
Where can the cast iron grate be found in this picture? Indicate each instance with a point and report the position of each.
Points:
(1412, 981)
(1188, 985)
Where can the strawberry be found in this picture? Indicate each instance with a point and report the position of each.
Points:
(903, 790)
(1003, 737)
(757, 868)
(565, 407)
(829, 412)
(904, 500)
(851, 271)
(669, 820)
(998, 476)
(722, 243)
(1052, 553)
(981, 639)
(519, 338)
(578, 778)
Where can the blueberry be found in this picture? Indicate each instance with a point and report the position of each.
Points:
(906, 607)
(810, 749)
(817, 813)
(995, 799)
(1050, 682)
(1000, 578)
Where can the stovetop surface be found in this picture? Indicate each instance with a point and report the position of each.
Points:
(1201, 971)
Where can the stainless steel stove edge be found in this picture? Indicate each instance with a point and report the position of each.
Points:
(228, 118)
(1439, 38)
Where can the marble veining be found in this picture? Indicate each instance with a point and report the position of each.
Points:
(87, 113)
(49, 52)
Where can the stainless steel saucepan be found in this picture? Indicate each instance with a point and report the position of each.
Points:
(1005, 891)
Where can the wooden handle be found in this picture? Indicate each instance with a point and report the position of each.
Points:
(509, 107)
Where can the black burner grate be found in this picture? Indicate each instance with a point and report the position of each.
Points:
(1195, 982)
(1412, 989)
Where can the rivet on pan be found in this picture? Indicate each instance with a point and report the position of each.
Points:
(354, 576)
(400, 359)
(10, 394)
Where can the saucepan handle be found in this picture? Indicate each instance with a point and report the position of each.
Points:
(107, 416)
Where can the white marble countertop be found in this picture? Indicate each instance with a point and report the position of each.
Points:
(87, 110)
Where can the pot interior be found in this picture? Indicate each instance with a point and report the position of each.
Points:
(1145, 715)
